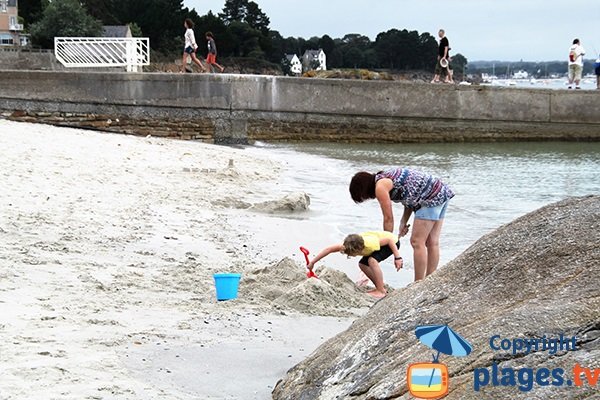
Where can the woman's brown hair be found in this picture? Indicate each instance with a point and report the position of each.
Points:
(189, 23)
(362, 187)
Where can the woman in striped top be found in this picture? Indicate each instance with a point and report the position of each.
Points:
(422, 194)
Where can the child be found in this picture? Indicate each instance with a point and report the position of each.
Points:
(190, 45)
(374, 247)
(211, 57)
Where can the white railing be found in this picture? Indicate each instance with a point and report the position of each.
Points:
(89, 52)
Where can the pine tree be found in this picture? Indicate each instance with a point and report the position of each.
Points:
(234, 10)
(256, 18)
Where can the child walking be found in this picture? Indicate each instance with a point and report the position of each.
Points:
(190, 46)
(211, 58)
(374, 247)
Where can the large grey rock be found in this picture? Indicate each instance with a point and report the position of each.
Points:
(539, 275)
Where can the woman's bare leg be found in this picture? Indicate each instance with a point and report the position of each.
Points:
(433, 247)
(420, 232)
(183, 62)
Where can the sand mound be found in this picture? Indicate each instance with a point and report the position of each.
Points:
(290, 203)
(285, 286)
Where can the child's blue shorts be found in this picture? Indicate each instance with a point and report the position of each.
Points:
(432, 213)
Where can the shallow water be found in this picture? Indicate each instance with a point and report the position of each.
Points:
(494, 184)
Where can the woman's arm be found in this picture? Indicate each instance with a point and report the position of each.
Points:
(324, 253)
(404, 222)
(382, 194)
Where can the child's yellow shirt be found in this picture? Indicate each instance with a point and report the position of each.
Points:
(372, 239)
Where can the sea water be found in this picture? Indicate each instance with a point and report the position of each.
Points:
(494, 184)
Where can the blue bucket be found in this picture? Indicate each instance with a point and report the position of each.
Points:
(227, 286)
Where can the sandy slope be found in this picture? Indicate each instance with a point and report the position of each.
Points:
(107, 248)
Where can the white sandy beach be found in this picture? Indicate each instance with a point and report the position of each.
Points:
(108, 244)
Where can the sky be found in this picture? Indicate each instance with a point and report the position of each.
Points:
(511, 30)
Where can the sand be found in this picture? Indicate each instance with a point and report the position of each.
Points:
(108, 246)
(285, 286)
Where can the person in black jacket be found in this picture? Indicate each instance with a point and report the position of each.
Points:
(443, 59)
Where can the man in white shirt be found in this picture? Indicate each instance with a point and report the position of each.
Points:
(576, 53)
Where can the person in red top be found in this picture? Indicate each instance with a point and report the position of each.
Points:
(211, 58)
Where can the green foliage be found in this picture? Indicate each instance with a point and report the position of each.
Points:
(31, 10)
(245, 11)
(256, 18)
(102, 10)
(234, 10)
(286, 66)
(136, 31)
(246, 40)
(63, 18)
(459, 63)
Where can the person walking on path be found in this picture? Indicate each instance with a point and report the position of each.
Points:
(443, 59)
(211, 58)
(576, 53)
(190, 47)
(422, 194)
(597, 71)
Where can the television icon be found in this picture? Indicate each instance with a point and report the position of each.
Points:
(427, 380)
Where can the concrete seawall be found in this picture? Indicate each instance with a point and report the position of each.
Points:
(238, 108)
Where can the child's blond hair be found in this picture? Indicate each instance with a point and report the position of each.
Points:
(353, 245)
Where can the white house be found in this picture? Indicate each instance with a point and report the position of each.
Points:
(295, 64)
(314, 57)
(520, 75)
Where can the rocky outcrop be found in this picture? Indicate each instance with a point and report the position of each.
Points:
(539, 275)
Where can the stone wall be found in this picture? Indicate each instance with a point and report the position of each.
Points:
(23, 59)
(238, 108)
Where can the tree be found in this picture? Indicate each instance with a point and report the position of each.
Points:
(327, 44)
(245, 11)
(31, 10)
(234, 10)
(136, 31)
(275, 46)
(256, 18)
(63, 18)
(459, 63)
(428, 48)
(102, 10)
(246, 40)
(353, 57)
(286, 66)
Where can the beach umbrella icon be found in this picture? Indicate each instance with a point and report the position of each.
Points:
(444, 340)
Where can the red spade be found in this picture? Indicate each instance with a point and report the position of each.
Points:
(310, 273)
